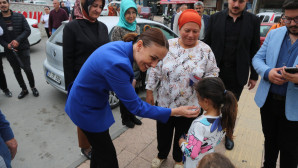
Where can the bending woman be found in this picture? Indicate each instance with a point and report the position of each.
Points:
(80, 38)
(109, 68)
(127, 24)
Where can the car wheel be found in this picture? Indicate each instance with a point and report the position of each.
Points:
(113, 100)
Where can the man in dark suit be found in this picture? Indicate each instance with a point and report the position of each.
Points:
(199, 7)
(234, 37)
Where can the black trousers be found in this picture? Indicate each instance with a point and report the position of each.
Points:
(229, 77)
(125, 114)
(281, 135)
(47, 31)
(165, 136)
(24, 56)
(103, 153)
(3, 84)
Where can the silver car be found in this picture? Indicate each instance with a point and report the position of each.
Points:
(53, 64)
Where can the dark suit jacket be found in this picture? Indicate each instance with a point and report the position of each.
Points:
(206, 19)
(249, 42)
(79, 42)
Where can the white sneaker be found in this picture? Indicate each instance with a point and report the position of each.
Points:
(178, 166)
(156, 162)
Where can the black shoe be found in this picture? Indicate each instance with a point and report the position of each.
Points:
(7, 93)
(129, 124)
(23, 94)
(229, 144)
(136, 121)
(86, 154)
(35, 92)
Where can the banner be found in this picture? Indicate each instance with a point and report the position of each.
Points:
(177, 1)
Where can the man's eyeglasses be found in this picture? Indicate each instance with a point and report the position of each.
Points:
(288, 20)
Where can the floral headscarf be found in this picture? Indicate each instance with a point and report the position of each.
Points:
(81, 9)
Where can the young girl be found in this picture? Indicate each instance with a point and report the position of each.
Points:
(218, 119)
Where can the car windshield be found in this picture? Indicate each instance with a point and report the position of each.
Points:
(145, 10)
(264, 30)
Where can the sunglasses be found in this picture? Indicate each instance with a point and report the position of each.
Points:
(288, 20)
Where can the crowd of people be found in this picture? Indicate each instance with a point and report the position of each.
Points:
(197, 77)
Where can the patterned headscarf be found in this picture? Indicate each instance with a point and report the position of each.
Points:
(82, 12)
(124, 6)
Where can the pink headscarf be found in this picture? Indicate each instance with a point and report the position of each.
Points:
(79, 11)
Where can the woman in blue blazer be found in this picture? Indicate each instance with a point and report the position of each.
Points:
(109, 68)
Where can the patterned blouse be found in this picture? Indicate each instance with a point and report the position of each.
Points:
(171, 76)
(119, 32)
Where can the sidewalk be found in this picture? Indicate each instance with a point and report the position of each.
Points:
(138, 146)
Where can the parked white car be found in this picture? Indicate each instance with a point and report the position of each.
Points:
(269, 17)
(105, 10)
(34, 37)
(53, 64)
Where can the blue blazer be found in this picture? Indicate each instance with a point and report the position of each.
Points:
(266, 58)
(109, 68)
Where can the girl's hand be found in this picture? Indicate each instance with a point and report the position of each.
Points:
(186, 111)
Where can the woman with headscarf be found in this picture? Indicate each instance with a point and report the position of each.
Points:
(127, 24)
(81, 37)
(187, 61)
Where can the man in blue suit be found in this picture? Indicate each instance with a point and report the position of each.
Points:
(277, 95)
(199, 7)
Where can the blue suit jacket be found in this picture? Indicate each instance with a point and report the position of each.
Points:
(109, 68)
(267, 58)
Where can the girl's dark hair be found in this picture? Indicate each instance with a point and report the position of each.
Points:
(152, 35)
(47, 7)
(215, 160)
(223, 100)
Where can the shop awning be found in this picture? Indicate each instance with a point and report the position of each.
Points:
(177, 1)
